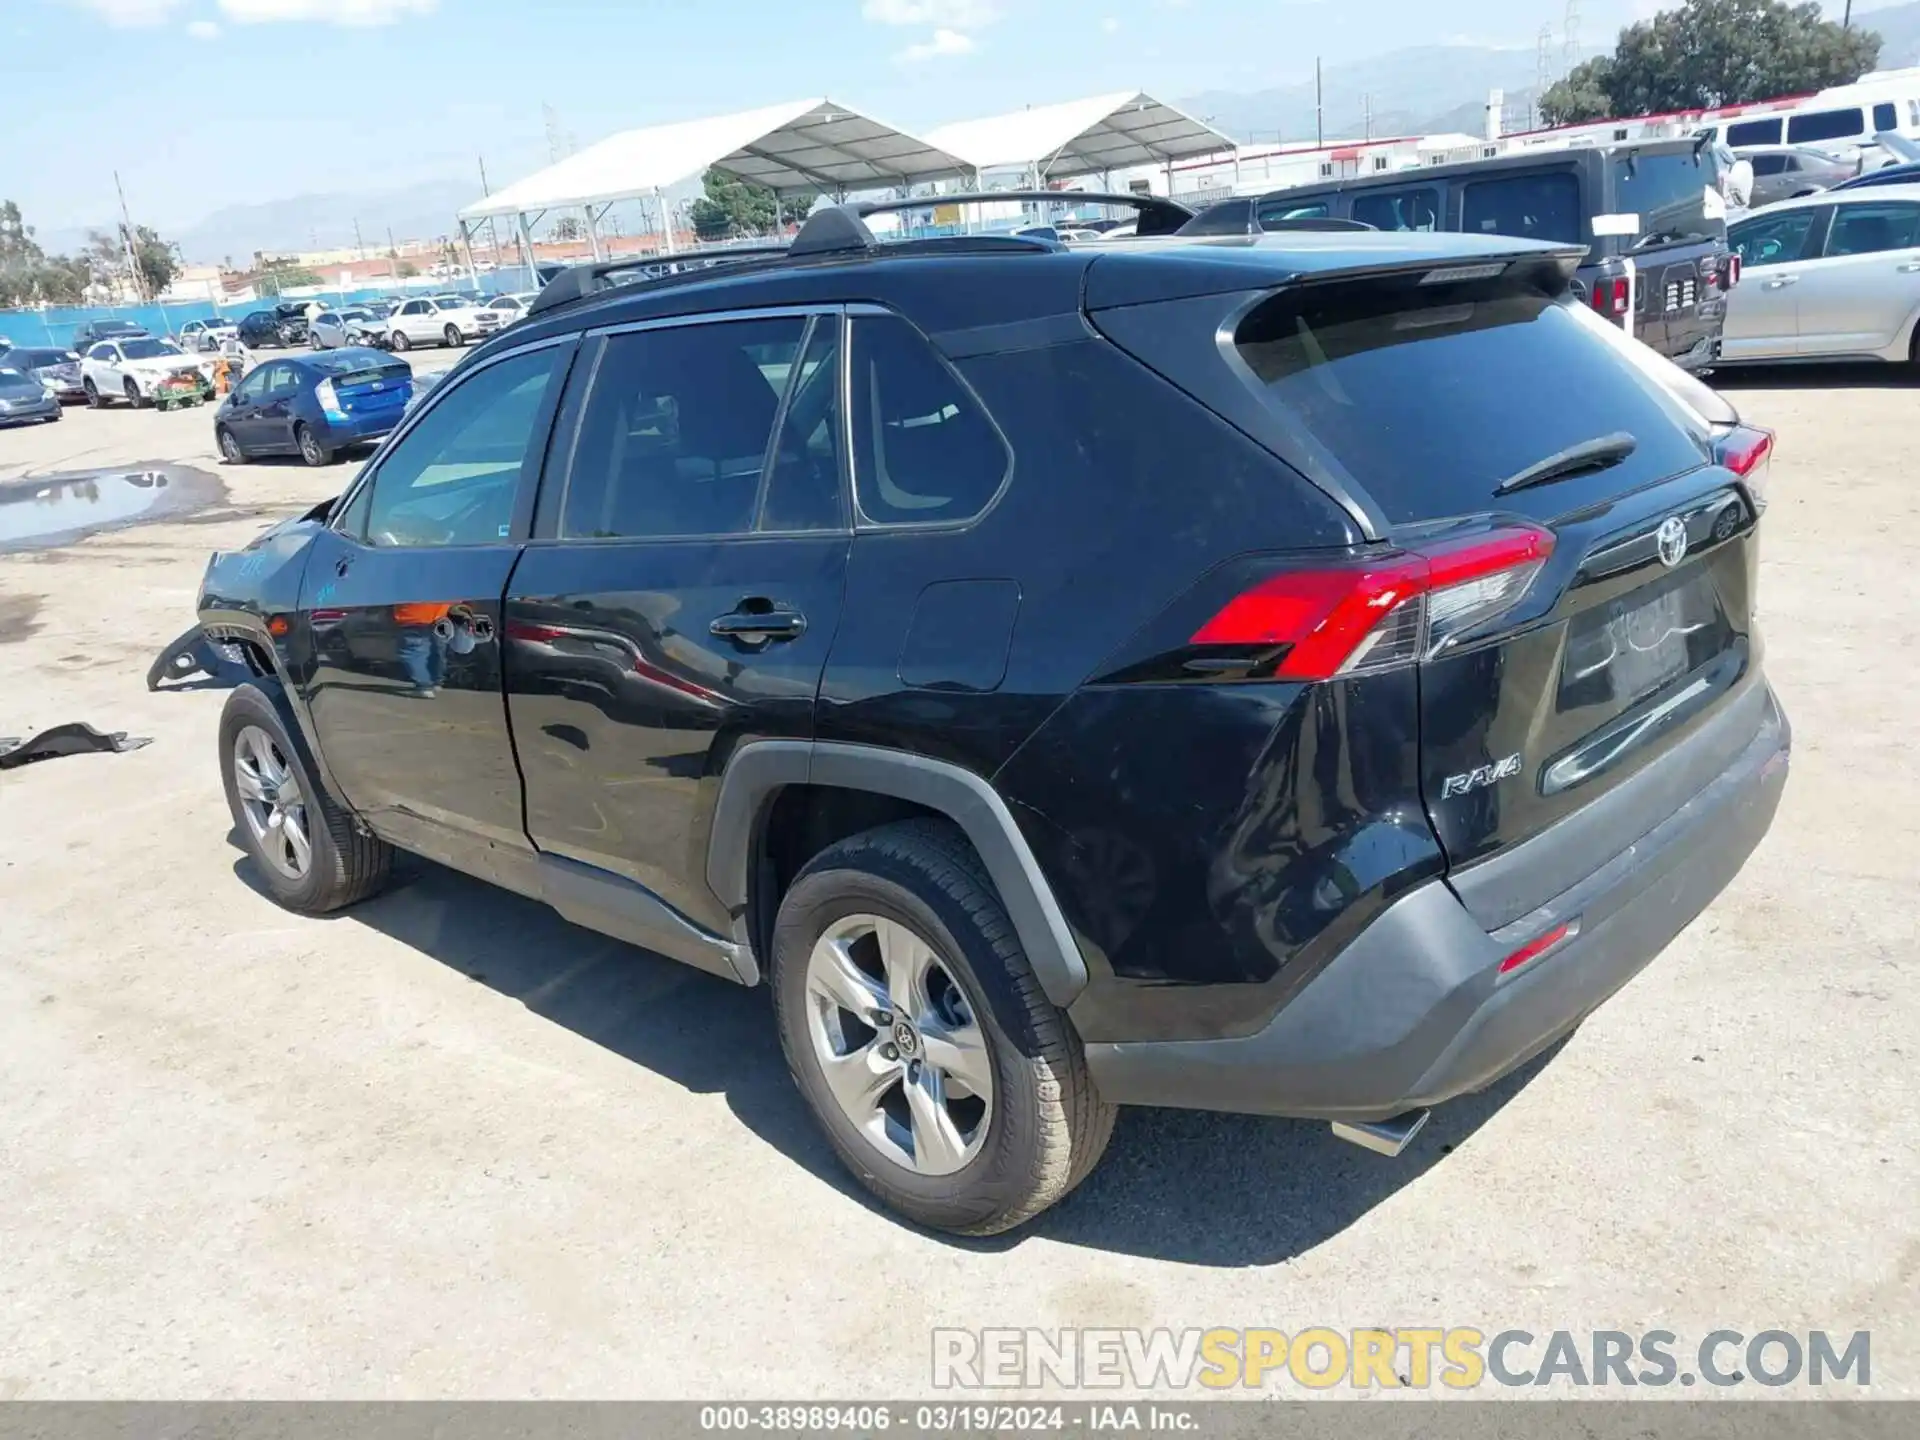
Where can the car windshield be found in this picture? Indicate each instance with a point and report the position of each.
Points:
(144, 349)
(7, 372)
(353, 315)
(34, 359)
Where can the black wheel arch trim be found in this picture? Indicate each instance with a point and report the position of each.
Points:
(246, 628)
(759, 770)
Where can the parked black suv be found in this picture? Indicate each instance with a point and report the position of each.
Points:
(1651, 215)
(1300, 675)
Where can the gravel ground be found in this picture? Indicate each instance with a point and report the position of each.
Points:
(447, 1145)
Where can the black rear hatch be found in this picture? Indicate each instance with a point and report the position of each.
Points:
(1602, 613)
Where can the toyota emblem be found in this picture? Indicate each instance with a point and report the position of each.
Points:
(1672, 540)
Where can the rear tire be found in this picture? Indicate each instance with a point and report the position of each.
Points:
(1042, 1126)
(312, 449)
(341, 865)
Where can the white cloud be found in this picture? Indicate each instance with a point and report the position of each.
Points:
(325, 12)
(203, 30)
(132, 12)
(944, 14)
(1110, 25)
(943, 43)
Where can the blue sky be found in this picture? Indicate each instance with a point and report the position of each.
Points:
(378, 94)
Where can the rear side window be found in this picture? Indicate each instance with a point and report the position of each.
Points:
(1870, 229)
(1667, 190)
(1884, 116)
(924, 451)
(1426, 398)
(1769, 164)
(1824, 125)
(1543, 205)
(675, 434)
(1399, 209)
(1754, 132)
(1772, 239)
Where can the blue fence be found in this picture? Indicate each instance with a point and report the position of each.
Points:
(56, 324)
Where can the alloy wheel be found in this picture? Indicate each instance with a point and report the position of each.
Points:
(230, 447)
(899, 1044)
(271, 800)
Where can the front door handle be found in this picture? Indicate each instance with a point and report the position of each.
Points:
(1911, 267)
(754, 624)
(1782, 281)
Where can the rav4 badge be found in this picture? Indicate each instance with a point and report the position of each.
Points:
(1480, 777)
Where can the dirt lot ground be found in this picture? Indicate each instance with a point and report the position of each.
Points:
(446, 1144)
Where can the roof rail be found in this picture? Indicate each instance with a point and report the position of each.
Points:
(577, 281)
(843, 227)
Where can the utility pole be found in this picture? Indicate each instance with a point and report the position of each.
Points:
(1319, 108)
(359, 245)
(393, 257)
(1846, 19)
(134, 276)
(493, 232)
(1367, 124)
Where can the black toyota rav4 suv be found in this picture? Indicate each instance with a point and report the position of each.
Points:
(1301, 675)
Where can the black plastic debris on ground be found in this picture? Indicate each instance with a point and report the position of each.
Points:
(73, 738)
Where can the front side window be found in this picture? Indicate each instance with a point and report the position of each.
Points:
(1772, 239)
(924, 451)
(1754, 132)
(1823, 125)
(1870, 229)
(254, 386)
(1399, 209)
(1769, 164)
(1273, 211)
(675, 435)
(414, 307)
(452, 478)
(1544, 205)
(103, 352)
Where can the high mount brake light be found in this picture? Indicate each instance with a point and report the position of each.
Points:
(1372, 615)
(1748, 452)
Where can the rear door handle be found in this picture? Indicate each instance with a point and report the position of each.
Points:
(1781, 281)
(755, 625)
(1911, 267)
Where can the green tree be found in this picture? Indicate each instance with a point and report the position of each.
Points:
(283, 276)
(156, 260)
(567, 227)
(408, 270)
(1713, 52)
(733, 207)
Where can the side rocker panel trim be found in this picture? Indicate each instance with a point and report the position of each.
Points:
(962, 796)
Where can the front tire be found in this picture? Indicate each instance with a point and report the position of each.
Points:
(95, 401)
(944, 1078)
(452, 336)
(134, 397)
(230, 450)
(400, 340)
(304, 847)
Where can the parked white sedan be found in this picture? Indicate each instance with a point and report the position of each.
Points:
(1828, 277)
(200, 335)
(131, 369)
(513, 307)
(442, 320)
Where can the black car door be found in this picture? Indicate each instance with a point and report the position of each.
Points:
(401, 609)
(682, 593)
(243, 415)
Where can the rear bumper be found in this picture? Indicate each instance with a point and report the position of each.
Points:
(1415, 1011)
(356, 431)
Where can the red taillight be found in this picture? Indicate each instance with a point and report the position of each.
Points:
(1349, 619)
(1733, 271)
(1534, 949)
(1747, 451)
(1612, 296)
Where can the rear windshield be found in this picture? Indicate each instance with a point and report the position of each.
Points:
(358, 367)
(1540, 205)
(1426, 401)
(1667, 193)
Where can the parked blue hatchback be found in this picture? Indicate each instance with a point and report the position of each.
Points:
(313, 405)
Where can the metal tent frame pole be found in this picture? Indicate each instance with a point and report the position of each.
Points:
(666, 221)
(593, 232)
(526, 248)
(466, 244)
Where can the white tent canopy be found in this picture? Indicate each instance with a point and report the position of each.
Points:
(1082, 137)
(806, 145)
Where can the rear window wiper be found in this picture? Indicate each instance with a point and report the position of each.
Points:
(1600, 453)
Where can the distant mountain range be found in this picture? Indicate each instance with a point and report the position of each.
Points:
(1421, 90)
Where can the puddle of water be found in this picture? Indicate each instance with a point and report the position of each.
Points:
(59, 509)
